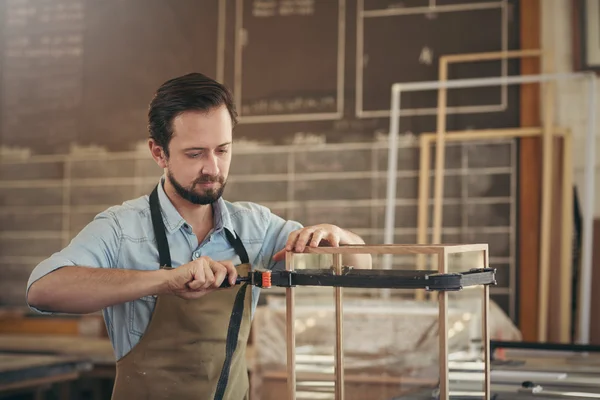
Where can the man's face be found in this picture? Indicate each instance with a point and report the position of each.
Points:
(200, 155)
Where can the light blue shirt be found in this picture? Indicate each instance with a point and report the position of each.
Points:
(122, 237)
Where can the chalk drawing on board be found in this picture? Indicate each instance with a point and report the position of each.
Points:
(262, 91)
(221, 42)
(373, 100)
(431, 5)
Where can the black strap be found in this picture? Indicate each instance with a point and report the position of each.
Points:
(238, 246)
(162, 243)
(392, 279)
(235, 321)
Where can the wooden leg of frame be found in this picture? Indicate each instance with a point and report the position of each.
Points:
(423, 204)
(566, 268)
(339, 333)
(440, 159)
(440, 148)
(546, 221)
(485, 333)
(443, 330)
(290, 331)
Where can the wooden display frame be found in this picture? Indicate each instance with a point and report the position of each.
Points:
(442, 252)
(547, 156)
(444, 62)
(566, 267)
(422, 219)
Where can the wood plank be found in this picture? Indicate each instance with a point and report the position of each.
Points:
(59, 326)
(20, 362)
(97, 350)
(493, 55)
(559, 322)
(399, 380)
(38, 382)
(529, 177)
(479, 134)
(28, 370)
(398, 249)
(18, 321)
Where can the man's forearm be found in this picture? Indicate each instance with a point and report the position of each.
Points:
(360, 261)
(82, 290)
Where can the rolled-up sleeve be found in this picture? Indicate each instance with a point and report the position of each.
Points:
(276, 236)
(96, 245)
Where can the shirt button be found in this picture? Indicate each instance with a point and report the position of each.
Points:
(196, 255)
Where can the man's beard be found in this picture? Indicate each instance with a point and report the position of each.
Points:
(208, 197)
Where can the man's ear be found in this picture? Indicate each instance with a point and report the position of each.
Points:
(157, 153)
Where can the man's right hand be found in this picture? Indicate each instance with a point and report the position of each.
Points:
(199, 277)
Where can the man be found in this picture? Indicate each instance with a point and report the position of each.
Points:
(155, 265)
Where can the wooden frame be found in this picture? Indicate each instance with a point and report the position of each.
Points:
(441, 132)
(400, 88)
(422, 220)
(426, 139)
(530, 173)
(546, 198)
(442, 251)
(444, 62)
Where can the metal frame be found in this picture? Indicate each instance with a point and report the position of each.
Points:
(589, 171)
(442, 252)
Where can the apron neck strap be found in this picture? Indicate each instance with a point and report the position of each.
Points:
(238, 246)
(159, 230)
(163, 244)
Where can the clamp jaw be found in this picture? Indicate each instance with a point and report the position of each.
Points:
(260, 279)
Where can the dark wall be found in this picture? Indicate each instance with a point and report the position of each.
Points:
(83, 71)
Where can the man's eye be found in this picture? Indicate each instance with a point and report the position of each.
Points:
(193, 155)
(222, 151)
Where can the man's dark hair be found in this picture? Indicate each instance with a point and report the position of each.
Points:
(190, 92)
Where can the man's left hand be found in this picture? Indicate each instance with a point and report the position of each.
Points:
(312, 236)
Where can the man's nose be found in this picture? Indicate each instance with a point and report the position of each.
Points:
(210, 166)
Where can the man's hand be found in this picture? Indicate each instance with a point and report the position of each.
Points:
(199, 277)
(325, 235)
(315, 236)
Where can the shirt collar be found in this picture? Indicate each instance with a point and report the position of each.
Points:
(174, 221)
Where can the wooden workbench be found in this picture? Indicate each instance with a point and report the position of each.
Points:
(97, 351)
(35, 373)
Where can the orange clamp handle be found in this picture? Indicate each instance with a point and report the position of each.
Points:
(266, 279)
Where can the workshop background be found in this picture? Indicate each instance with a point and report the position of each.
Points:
(312, 83)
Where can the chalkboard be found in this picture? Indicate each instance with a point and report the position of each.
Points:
(298, 76)
(384, 42)
(403, 45)
(133, 46)
(83, 71)
(41, 70)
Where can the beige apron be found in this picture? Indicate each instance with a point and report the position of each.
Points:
(182, 353)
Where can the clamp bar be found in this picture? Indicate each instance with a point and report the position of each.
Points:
(375, 279)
